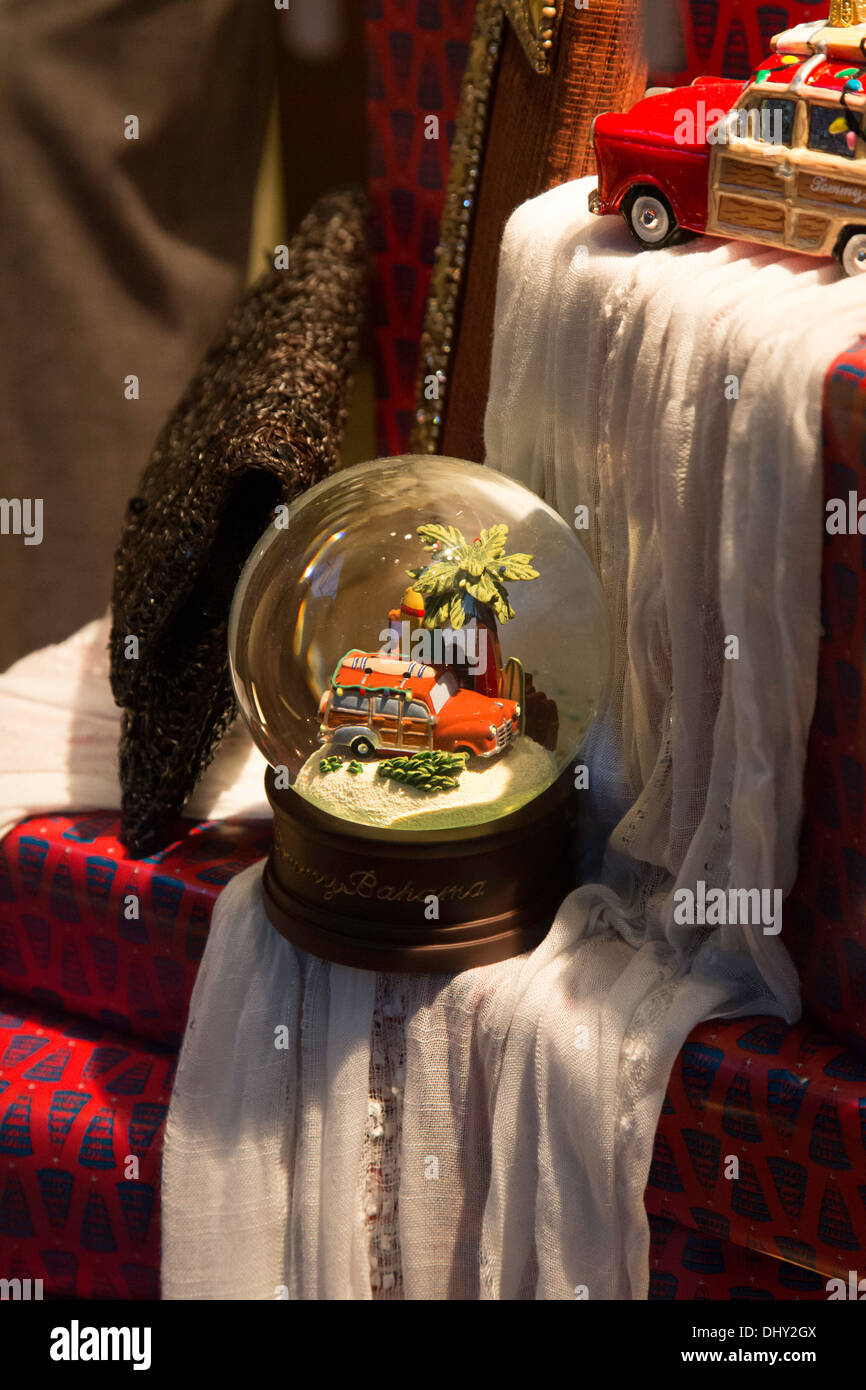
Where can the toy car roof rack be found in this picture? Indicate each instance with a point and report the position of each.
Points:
(809, 47)
(832, 38)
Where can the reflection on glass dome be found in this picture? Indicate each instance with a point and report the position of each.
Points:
(418, 643)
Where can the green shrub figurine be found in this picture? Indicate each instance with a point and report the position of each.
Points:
(331, 764)
(355, 767)
(433, 771)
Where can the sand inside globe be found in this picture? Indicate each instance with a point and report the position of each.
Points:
(486, 790)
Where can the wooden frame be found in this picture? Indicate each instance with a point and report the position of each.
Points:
(531, 89)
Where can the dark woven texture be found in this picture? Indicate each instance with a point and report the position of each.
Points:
(261, 421)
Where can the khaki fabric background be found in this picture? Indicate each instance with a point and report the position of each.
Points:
(117, 257)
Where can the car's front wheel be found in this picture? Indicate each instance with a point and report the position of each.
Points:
(850, 250)
(650, 218)
(363, 747)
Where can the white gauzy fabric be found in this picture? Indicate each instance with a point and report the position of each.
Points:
(265, 1131)
(59, 730)
(678, 396)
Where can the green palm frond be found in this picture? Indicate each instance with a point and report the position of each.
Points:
(438, 616)
(475, 561)
(517, 567)
(456, 611)
(502, 608)
(494, 539)
(439, 578)
(432, 535)
(483, 590)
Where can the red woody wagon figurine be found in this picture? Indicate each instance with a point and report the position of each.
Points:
(387, 703)
(781, 160)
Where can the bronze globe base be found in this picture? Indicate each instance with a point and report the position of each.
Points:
(418, 901)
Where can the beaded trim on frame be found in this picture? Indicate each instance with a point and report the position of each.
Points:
(535, 24)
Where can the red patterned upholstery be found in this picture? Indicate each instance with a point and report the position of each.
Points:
(68, 938)
(92, 1009)
(689, 1264)
(730, 38)
(789, 1105)
(825, 916)
(416, 53)
(82, 1113)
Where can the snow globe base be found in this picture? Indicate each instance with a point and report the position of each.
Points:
(439, 901)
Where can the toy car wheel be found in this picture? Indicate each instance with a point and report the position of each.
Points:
(850, 250)
(363, 747)
(464, 748)
(650, 218)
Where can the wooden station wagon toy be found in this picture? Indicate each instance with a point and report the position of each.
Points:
(380, 703)
(780, 160)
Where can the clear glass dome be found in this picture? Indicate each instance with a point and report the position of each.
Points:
(419, 643)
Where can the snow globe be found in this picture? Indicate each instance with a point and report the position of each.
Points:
(418, 646)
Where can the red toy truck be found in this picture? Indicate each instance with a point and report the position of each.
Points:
(780, 160)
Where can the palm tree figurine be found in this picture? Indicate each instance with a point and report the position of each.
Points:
(465, 583)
